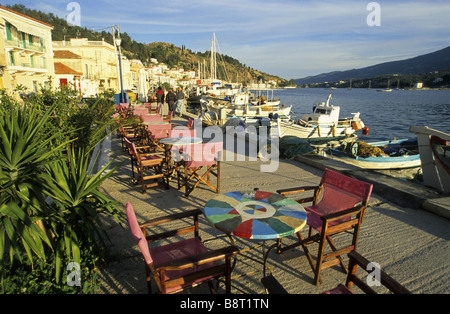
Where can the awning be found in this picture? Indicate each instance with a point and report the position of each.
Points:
(27, 29)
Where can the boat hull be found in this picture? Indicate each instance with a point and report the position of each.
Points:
(315, 131)
(382, 162)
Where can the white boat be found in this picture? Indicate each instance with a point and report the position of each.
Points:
(384, 155)
(240, 107)
(323, 123)
(435, 155)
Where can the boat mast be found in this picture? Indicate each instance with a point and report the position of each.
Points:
(213, 58)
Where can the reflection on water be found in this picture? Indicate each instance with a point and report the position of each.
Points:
(388, 115)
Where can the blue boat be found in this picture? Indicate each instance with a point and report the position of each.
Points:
(395, 154)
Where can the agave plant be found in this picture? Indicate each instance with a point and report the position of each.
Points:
(77, 206)
(24, 152)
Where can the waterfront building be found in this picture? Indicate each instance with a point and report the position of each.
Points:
(67, 76)
(26, 54)
(98, 62)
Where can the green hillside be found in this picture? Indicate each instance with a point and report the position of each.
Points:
(166, 53)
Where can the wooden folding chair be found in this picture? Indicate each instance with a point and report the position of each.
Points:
(384, 280)
(141, 163)
(157, 132)
(200, 162)
(338, 205)
(181, 264)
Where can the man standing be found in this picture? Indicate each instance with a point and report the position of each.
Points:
(171, 98)
(180, 101)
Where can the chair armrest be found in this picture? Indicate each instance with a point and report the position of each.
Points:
(157, 221)
(343, 213)
(297, 190)
(192, 261)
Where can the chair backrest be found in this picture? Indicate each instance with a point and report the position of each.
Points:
(190, 123)
(137, 234)
(202, 154)
(140, 111)
(342, 192)
(160, 130)
(152, 117)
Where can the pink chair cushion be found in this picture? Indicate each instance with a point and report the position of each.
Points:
(340, 289)
(178, 250)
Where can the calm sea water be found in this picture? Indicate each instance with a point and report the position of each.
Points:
(387, 115)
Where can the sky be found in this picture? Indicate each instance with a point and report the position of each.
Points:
(288, 38)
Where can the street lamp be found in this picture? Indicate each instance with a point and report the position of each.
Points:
(122, 94)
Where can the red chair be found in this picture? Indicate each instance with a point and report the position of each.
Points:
(199, 163)
(182, 264)
(340, 209)
(190, 123)
(169, 117)
(130, 133)
(138, 112)
(152, 118)
(157, 132)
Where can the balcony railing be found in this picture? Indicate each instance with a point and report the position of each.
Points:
(24, 45)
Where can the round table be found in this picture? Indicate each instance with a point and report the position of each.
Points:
(255, 215)
(171, 141)
(168, 143)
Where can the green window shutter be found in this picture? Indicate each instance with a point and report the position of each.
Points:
(8, 31)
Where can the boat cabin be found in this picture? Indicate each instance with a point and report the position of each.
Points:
(323, 114)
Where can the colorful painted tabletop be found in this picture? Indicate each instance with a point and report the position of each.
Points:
(255, 215)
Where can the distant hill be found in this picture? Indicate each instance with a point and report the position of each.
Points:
(435, 61)
(164, 52)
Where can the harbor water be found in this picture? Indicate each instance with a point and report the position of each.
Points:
(388, 115)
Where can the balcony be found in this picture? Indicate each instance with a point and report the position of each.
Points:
(21, 45)
(21, 67)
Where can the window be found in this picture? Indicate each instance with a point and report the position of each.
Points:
(11, 58)
(8, 31)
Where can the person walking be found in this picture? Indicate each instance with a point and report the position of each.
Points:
(160, 96)
(171, 98)
(180, 101)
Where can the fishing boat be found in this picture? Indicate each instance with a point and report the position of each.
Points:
(384, 155)
(241, 107)
(435, 155)
(323, 123)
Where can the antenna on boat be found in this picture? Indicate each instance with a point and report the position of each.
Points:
(328, 100)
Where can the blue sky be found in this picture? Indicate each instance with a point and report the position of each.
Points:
(288, 38)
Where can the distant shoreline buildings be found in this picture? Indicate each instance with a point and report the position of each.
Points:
(29, 58)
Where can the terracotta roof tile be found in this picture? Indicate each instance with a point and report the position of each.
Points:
(65, 54)
(64, 69)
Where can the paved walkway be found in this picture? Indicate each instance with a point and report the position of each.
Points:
(410, 244)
